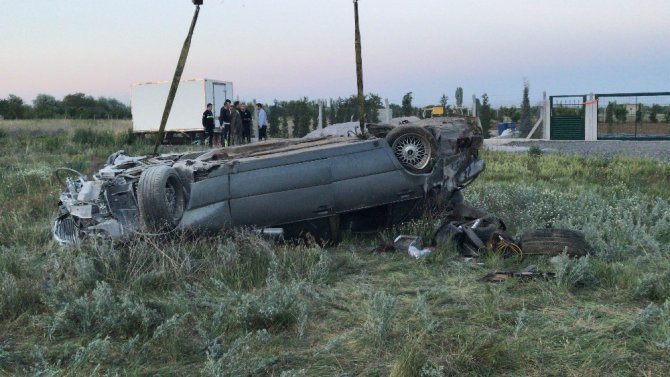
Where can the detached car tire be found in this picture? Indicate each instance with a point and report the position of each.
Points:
(160, 197)
(414, 147)
(554, 242)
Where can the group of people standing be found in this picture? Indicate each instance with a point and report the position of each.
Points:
(235, 122)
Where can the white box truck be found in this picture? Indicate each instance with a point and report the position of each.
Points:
(147, 103)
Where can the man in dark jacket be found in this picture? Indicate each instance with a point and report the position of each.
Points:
(208, 123)
(246, 123)
(224, 122)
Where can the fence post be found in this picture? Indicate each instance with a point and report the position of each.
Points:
(591, 118)
(547, 117)
(387, 112)
(474, 105)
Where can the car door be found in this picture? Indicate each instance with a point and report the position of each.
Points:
(371, 177)
(281, 190)
(208, 206)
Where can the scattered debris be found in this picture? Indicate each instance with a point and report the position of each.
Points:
(472, 229)
(418, 253)
(413, 245)
(528, 272)
(503, 244)
(403, 242)
(476, 232)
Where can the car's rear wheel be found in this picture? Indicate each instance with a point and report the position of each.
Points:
(160, 197)
(414, 147)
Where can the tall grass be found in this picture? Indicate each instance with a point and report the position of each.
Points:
(237, 304)
(55, 127)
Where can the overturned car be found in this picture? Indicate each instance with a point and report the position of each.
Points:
(318, 185)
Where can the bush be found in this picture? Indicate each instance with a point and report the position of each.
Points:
(574, 273)
(535, 151)
(54, 143)
(653, 286)
(92, 138)
(617, 224)
(236, 360)
(8, 295)
(381, 312)
(410, 360)
(128, 137)
(99, 312)
(278, 305)
(653, 324)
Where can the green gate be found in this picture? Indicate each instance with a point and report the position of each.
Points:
(567, 117)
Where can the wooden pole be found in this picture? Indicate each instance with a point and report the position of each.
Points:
(175, 79)
(359, 70)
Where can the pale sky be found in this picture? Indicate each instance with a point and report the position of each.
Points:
(285, 50)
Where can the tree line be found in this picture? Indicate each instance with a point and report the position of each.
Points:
(294, 118)
(77, 105)
(304, 114)
(524, 115)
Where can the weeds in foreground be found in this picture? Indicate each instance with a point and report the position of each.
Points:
(574, 273)
(237, 304)
(381, 313)
(653, 324)
(410, 360)
(535, 151)
(653, 286)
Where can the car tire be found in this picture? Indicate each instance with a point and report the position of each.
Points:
(161, 198)
(554, 242)
(414, 147)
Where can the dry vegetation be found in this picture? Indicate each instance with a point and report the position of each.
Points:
(240, 305)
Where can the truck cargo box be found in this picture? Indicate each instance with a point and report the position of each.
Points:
(148, 102)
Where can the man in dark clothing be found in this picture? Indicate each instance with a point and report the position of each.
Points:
(224, 122)
(235, 124)
(208, 123)
(246, 123)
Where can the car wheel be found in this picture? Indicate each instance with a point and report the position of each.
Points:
(554, 242)
(414, 147)
(160, 197)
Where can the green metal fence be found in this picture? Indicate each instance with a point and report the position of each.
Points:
(639, 116)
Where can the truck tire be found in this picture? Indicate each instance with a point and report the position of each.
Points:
(161, 198)
(414, 147)
(554, 242)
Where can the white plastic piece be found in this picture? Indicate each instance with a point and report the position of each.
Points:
(415, 251)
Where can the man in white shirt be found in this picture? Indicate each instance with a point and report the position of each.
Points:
(262, 122)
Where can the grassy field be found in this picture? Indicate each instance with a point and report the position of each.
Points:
(58, 126)
(237, 305)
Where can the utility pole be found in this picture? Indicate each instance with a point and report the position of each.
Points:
(177, 76)
(359, 70)
(320, 122)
